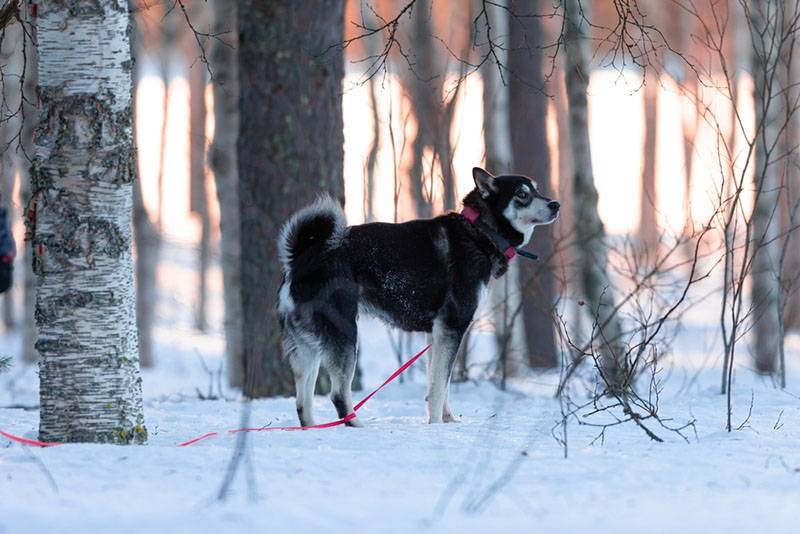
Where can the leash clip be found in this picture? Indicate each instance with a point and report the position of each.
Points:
(526, 254)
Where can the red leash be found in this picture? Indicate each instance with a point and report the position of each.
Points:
(330, 424)
(26, 441)
(343, 420)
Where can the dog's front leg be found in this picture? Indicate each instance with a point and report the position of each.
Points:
(445, 347)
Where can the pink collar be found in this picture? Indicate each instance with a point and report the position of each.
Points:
(471, 214)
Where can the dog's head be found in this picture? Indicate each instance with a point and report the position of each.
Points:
(513, 203)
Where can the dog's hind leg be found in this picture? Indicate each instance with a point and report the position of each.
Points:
(341, 367)
(305, 367)
(446, 340)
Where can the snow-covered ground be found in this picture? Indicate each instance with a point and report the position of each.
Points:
(500, 469)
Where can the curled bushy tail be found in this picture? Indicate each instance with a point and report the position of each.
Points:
(318, 226)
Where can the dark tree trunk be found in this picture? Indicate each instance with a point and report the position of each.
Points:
(290, 149)
(528, 100)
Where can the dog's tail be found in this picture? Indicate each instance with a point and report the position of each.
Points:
(315, 228)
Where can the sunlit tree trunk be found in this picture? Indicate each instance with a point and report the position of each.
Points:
(288, 153)
(648, 204)
(591, 251)
(434, 117)
(223, 162)
(791, 265)
(197, 176)
(764, 25)
(80, 226)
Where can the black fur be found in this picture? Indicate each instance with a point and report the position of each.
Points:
(410, 275)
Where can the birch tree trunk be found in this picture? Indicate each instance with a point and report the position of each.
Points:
(591, 252)
(223, 160)
(766, 30)
(289, 150)
(80, 226)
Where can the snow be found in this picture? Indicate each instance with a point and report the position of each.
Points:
(500, 469)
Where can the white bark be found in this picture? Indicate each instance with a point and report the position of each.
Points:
(591, 252)
(90, 388)
(224, 163)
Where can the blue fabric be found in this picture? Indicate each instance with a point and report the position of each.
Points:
(7, 245)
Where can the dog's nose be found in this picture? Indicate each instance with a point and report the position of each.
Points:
(553, 205)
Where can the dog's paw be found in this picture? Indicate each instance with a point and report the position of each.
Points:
(355, 423)
(450, 418)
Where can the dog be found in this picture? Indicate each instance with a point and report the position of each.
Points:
(420, 276)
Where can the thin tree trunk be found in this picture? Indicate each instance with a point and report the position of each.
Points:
(505, 293)
(80, 226)
(29, 330)
(528, 100)
(223, 160)
(766, 216)
(591, 251)
(148, 244)
(648, 203)
(197, 174)
(288, 153)
(791, 265)
(11, 63)
(148, 248)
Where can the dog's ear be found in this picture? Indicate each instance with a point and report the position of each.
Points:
(483, 181)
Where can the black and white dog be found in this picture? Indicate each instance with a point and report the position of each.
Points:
(424, 275)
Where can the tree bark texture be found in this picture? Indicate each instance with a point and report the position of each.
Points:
(528, 99)
(223, 161)
(765, 25)
(80, 226)
(290, 149)
(591, 251)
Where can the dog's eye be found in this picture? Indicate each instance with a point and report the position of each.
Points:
(523, 195)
